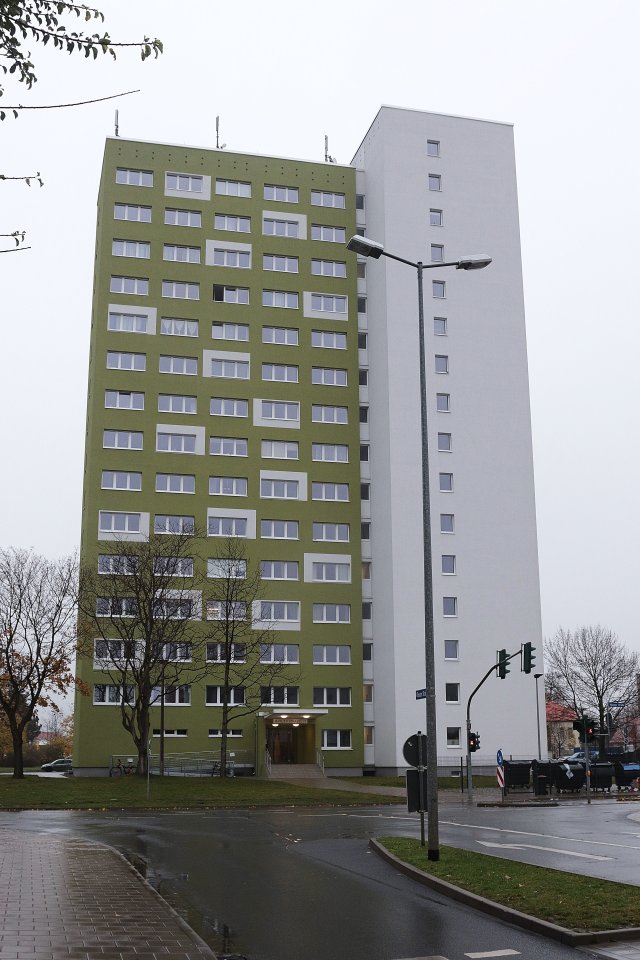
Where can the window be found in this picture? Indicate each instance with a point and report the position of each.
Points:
(139, 286)
(119, 522)
(228, 447)
(453, 736)
(452, 692)
(222, 294)
(170, 732)
(175, 483)
(329, 376)
(279, 410)
(441, 364)
(230, 369)
(437, 253)
(131, 248)
(324, 198)
(435, 218)
(331, 613)
(226, 568)
(122, 565)
(118, 360)
(438, 289)
(185, 182)
(367, 610)
(227, 527)
(279, 264)
(175, 442)
(364, 453)
(328, 339)
(173, 327)
(282, 194)
(226, 610)
(361, 270)
(440, 326)
(328, 268)
(331, 572)
(127, 323)
(331, 532)
(332, 653)
(280, 372)
(120, 480)
(279, 653)
(280, 611)
(215, 696)
(336, 739)
(365, 491)
(279, 449)
(448, 564)
(279, 489)
(122, 439)
(164, 523)
(279, 570)
(222, 257)
(446, 482)
(182, 218)
(217, 732)
(273, 227)
(176, 403)
(285, 336)
(367, 652)
(181, 254)
(279, 529)
(449, 606)
(330, 234)
(123, 400)
(176, 696)
(281, 695)
(368, 735)
(451, 649)
(330, 491)
(362, 304)
(182, 365)
(328, 304)
(116, 607)
(234, 224)
(365, 530)
(219, 653)
(230, 331)
(228, 486)
(228, 407)
(233, 188)
(433, 148)
(322, 413)
(446, 523)
(134, 178)
(435, 182)
(330, 452)
(280, 298)
(332, 696)
(366, 569)
(180, 291)
(112, 694)
(359, 201)
(363, 414)
(132, 211)
(444, 442)
(443, 402)
(172, 608)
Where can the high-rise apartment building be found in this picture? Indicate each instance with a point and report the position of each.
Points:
(250, 377)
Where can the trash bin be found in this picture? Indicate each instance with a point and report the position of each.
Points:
(601, 775)
(543, 777)
(626, 773)
(568, 776)
(517, 774)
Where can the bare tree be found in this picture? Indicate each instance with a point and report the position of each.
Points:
(592, 671)
(37, 637)
(137, 623)
(250, 667)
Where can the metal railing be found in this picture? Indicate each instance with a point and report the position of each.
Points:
(205, 763)
(320, 760)
(267, 762)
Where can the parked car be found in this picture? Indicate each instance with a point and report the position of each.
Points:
(579, 755)
(63, 765)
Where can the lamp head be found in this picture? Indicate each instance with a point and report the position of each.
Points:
(474, 262)
(365, 247)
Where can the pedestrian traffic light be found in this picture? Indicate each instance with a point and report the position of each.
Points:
(474, 742)
(503, 664)
(590, 727)
(528, 657)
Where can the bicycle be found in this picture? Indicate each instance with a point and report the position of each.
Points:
(121, 770)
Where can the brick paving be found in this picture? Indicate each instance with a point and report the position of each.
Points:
(70, 899)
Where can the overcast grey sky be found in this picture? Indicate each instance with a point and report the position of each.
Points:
(281, 76)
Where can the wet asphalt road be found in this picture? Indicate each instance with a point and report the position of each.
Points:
(288, 885)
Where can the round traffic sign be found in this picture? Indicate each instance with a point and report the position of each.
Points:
(412, 748)
(499, 758)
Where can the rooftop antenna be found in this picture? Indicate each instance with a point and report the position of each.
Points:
(218, 146)
(327, 157)
(117, 125)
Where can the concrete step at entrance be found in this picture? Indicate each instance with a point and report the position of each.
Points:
(296, 771)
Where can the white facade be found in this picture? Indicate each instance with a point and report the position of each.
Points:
(495, 585)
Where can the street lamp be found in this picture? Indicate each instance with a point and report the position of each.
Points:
(370, 248)
(536, 677)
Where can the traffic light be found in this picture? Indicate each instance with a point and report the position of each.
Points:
(474, 742)
(503, 664)
(590, 726)
(528, 657)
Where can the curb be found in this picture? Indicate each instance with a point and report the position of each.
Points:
(516, 917)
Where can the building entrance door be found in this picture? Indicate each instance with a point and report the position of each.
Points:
(280, 744)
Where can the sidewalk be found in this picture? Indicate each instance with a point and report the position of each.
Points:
(77, 900)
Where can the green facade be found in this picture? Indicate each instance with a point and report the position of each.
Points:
(99, 733)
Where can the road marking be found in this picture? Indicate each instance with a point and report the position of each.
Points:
(493, 953)
(533, 846)
(543, 836)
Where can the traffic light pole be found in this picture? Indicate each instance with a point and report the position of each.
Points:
(491, 670)
(586, 756)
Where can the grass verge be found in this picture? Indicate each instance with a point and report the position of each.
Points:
(104, 793)
(582, 904)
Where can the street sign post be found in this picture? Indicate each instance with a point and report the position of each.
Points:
(415, 753)
(500, 776)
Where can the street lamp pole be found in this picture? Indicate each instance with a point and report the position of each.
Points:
(370, 248)
(536, 677)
